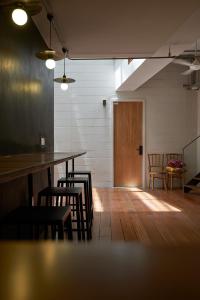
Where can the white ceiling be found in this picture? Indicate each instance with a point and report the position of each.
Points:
(111, 28)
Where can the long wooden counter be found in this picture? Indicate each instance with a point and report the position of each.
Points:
(14, 166)
(22, 176)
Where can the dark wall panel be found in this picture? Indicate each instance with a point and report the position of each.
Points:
(26, 89)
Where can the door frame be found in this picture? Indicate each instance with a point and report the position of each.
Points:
(143, 136)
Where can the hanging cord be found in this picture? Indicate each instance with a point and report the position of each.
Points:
(196, 49)
(64, 64)
(65, 51)
(50, 18)
(170, 54)
(48, 9)
(50, 35)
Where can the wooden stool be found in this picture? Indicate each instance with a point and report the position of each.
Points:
(36, 216)
(67, 192)
(89, 175)
(88, 201)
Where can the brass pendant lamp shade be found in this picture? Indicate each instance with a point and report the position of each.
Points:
(64, 78)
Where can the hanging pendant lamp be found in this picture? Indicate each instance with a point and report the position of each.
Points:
(64, 80)
(22, 9)
(49, 55)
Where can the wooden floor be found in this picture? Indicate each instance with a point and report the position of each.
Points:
(150, 217)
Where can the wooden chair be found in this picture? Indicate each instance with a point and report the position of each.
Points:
(173, 173)
(156, 170)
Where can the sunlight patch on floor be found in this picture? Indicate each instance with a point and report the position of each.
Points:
(98, 206)
(158, 205)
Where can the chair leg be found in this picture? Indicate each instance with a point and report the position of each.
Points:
(149, 182)
(153, 182)
(171, 181)
(182, 181)
(165, 184)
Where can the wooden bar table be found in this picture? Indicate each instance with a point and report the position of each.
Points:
(24, 166)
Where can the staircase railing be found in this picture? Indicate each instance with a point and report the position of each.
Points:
(191, 156)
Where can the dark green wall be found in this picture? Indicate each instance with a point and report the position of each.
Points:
(26, 89)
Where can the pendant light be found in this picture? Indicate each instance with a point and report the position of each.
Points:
(64, 80)
(19, 16)
(49, 55)
(22, 9)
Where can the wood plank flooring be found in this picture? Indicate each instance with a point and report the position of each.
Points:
(150, 217)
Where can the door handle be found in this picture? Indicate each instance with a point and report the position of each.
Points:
(140, 150)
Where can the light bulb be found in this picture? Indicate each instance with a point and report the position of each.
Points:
(50, 63)
(19, 16)
(64, 86)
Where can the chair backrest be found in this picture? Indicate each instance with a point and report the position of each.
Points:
(156, 161)
(177, 156)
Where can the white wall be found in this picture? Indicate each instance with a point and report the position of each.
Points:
(171, 111)
(81, 121)
(123, 70)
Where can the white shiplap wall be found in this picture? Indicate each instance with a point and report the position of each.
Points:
(81, 120)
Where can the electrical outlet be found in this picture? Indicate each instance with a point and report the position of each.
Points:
(42, 142)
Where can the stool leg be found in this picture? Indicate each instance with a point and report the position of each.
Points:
(61, 231)
(82, 217)
(19, 231)
(53, 232)
(45, 232)
(78, 217)
(57, 197)
(69, 227)
(87, 212)
(37, 231)
(39, 200)
(91, 196)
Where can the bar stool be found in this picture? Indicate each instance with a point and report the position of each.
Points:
(89, 175)
(36, 216)
(59, 192)
(70, 181)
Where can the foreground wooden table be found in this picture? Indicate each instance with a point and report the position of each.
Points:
(50, 270)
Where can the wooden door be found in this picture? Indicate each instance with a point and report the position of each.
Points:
(128, 144)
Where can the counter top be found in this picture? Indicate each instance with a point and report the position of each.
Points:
(14, 166)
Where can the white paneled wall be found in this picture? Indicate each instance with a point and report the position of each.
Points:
(82, 123)
(81, 120)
